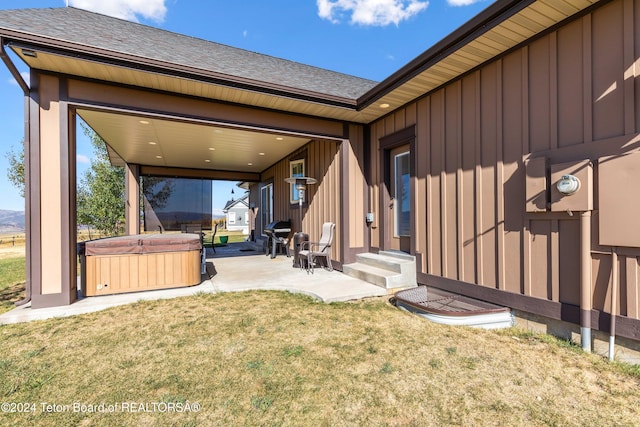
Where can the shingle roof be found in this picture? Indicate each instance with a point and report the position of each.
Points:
(110, 34)
(231, 203)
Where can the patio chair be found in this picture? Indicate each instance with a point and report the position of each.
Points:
(322, 249)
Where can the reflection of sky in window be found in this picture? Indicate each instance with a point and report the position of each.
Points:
(404, 197)
(297, 170)
(403, 201)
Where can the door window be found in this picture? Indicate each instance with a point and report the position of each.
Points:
(266, 208)
(296, 169)
(402, 195)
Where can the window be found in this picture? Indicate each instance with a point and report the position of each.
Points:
(232, 218)
(403, 196)
(266, 205)
(170, 203)
(296, 169)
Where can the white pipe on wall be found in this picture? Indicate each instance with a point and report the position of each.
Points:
(614, 301)
(585, 281)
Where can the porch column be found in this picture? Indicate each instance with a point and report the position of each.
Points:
(353, 196)
(50, 195)
(132, 191)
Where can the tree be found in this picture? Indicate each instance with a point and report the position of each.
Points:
(15, 172)
(101, 191)
(156, 190)
(100, 194)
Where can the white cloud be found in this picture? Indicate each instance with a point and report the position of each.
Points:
(370, 12)
(25, 77)
(81, 158)
(462, 2)
(130, 10)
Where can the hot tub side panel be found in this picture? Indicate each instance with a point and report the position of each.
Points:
(120, 273)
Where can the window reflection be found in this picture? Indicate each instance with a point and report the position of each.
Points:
(403, 200)
(171, 204)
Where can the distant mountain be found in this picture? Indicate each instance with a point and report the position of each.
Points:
(11, 221)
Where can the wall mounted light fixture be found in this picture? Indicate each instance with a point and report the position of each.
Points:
(301, 183)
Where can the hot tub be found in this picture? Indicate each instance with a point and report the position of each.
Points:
(139, 263)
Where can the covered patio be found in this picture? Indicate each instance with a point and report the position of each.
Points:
(235, 267)
(166, 110)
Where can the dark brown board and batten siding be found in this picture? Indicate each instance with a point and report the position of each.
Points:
(569, 95)
(322, 161)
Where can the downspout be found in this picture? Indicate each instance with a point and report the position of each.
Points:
(27, 143)
(585, 280)
(614, 300)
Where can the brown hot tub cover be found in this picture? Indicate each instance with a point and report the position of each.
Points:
(143, 244)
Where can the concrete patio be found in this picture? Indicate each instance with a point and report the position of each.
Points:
(235, 267)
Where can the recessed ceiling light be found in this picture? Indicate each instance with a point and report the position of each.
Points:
(249, 164)
(158, 157)
(261, 154)
(212, 149)
(385, 105)
(152, 143)
(144, 122)
(207, 161)
(279, 138)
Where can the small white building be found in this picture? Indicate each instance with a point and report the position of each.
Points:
(237, 213)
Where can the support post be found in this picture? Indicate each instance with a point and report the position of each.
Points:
(132, 190)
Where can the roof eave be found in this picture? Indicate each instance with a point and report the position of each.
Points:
(76, 51)
(481, 23)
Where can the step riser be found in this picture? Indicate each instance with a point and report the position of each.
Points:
(404, 268)
(363, 275)
(388, 282)
(387, 269)
(388, 262)
(380, 263)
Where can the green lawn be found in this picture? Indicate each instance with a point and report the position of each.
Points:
(12, 271)
(12, 277)
(278, 359)
(232, 236)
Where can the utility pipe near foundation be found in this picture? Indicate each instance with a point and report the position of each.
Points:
(585, 281)
(614, 301)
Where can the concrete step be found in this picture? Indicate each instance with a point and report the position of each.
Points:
(378, 276)
(387, 262)
(398, 255)
(389, 270)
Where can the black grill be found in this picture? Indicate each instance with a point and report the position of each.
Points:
(278, 233)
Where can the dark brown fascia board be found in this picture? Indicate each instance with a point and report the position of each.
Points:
(87, 53)
(12, 68)
(490, 17)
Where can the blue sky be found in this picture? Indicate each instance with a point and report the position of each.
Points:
(365, 38)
